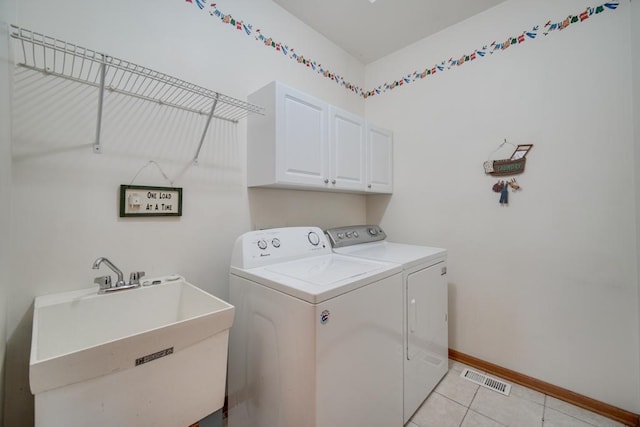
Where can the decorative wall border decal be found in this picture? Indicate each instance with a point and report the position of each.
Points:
(494, 47)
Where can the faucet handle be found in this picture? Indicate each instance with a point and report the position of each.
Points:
(134, 278)
(103, 281)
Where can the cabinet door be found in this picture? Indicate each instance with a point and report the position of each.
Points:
(302, 141)
(380, 160)
(347, 150)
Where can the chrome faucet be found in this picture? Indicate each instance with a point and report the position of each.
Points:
(105, 281)
(96, 265)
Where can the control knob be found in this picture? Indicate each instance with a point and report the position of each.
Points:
(373, 231)
(262, 244)
(275, 242)
(313, 238)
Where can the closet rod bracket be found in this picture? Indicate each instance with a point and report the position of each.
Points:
(204, 132)
(103, 71)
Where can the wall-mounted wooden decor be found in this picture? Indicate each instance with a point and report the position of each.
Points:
(511, 166)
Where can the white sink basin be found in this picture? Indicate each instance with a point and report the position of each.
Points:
(139, 357)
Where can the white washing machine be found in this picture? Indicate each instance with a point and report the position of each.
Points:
(425, 318)
(317, 336)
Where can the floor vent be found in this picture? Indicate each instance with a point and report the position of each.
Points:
(486, 381)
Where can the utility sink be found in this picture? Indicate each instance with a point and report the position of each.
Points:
(151, 356)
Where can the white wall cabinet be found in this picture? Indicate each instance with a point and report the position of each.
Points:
(288, 146)
(305, 143)
(379, 160)
(347, 150)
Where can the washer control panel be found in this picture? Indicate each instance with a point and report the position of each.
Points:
(262, 247)
(355, 235)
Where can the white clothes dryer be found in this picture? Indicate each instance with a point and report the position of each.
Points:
(317, 336)
(425, 318)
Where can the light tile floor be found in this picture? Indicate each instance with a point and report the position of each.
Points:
(457, 402)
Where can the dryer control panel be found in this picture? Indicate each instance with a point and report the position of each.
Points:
(263, 247)
(355, 235)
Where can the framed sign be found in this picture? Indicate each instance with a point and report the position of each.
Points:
(136, 200)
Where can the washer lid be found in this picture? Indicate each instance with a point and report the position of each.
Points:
(320, 278)
(400, 253)
(326, 270)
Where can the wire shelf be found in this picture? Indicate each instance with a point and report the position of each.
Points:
(55, 57)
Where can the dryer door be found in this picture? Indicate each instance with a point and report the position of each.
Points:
(426, 358)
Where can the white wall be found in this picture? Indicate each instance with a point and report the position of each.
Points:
(635, 44)
(6, 10)
(547, 286)
(65, 197)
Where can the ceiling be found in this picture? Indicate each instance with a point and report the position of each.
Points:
(370, 31)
